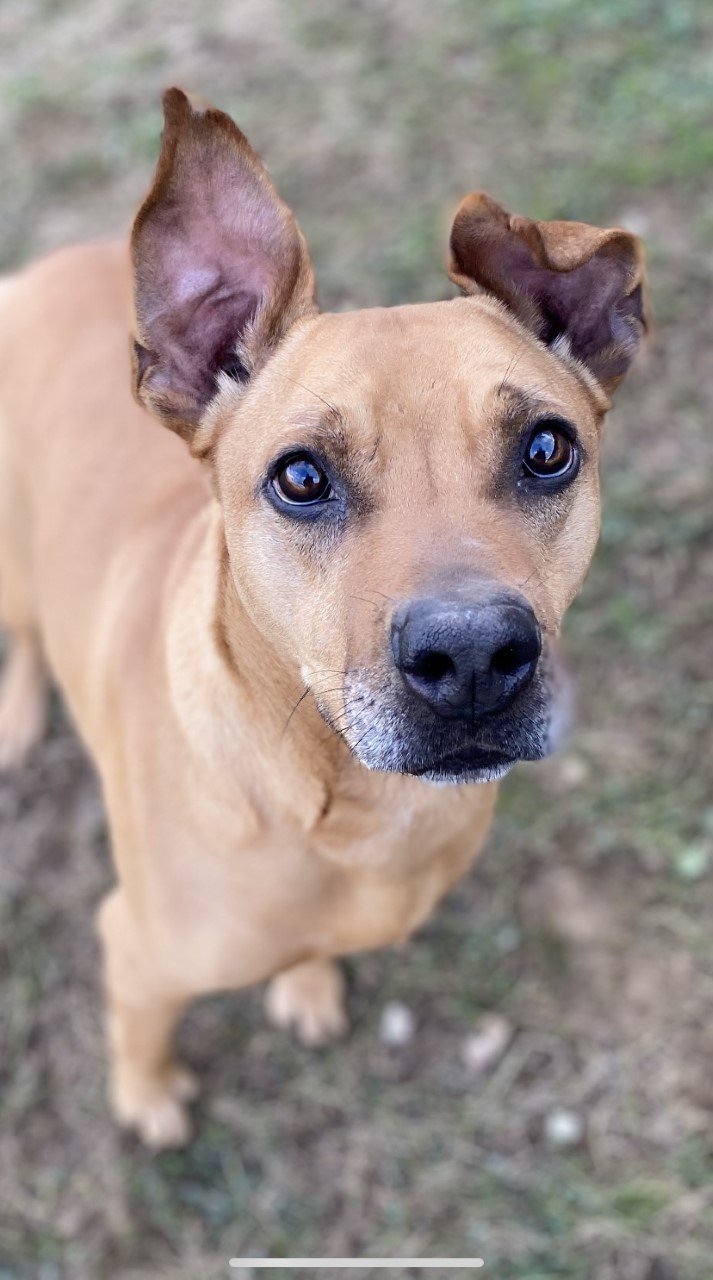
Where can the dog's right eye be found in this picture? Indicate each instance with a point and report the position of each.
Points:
(301, 481)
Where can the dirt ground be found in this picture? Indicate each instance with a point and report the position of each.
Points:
(585, 1150)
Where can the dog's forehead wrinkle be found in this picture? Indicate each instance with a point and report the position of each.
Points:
(430, 369)
(413, 364)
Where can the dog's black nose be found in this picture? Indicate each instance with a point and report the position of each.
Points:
(466, 660)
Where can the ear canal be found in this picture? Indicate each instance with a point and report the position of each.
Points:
(565, 281)
(221, 270)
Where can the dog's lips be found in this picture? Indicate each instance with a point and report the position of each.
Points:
(474, 763)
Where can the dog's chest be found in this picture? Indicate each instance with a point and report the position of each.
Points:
(387, 867)
(363, 877)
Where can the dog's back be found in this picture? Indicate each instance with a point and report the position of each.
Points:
(65, 380)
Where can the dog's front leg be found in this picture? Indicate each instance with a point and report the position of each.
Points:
(310, 998)
(149, 1090)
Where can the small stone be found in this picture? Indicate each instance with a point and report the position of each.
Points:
(487, 1044)
(563, 1128)
(694, 862)
(508, 939)
(397, 1024)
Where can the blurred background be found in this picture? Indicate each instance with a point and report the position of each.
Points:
(580, 1147)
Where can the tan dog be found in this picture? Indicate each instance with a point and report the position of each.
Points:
(273, 656)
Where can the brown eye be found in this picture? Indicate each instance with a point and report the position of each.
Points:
(550, 451)
(301, 480)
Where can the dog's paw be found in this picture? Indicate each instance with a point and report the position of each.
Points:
(311, 1000)
(22, 707)
(156, 1107)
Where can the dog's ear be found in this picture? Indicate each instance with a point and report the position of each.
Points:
(579, 288)
(221, 270)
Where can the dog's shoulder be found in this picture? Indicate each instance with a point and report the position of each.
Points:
(72, 274)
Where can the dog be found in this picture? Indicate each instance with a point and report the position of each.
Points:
(304, 631)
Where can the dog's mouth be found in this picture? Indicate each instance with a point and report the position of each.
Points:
(388, 733)
(474, 764)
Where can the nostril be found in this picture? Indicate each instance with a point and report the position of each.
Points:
(511, 658)
(431, 666)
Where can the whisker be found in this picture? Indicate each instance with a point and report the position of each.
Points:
(305, 692)
(335, 671)
(381, 593)
(354, 746)
(512, 365)
(341, 723)
(310, 391)
(527, 579)
(296, 708)
(374, 603)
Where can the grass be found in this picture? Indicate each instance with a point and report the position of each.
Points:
(587, 924)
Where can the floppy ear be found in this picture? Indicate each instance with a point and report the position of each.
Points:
(564, 280)
(221, 270)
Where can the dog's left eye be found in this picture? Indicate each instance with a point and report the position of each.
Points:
(550, 451)
(300, 480)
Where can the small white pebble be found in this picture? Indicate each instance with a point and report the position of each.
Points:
(573, 772)
(397, 1024)
(694, 862)
(488, 1043)
(508, 938)
(563, 1128)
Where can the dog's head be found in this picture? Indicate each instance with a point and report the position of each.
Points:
(410, 496)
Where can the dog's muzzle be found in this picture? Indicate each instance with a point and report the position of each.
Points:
(469, 688)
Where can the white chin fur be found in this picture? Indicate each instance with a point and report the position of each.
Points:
(492, 774)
